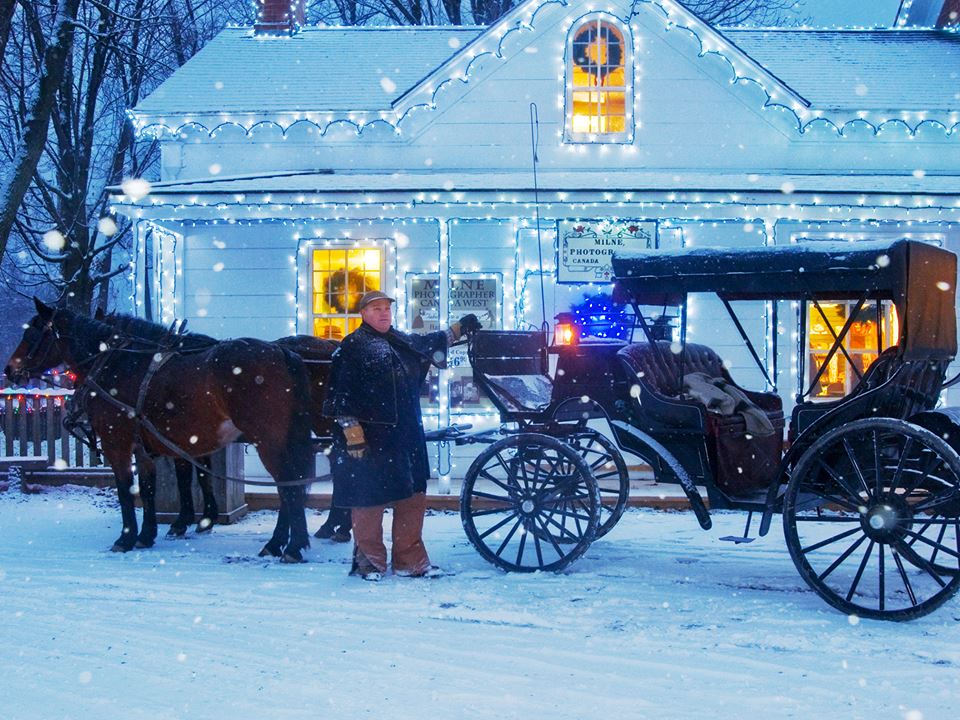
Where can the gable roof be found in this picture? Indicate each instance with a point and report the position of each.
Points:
(318, 69)
(362, 74)
(910, 70)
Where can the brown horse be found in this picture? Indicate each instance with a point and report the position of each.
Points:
(144, 402)
(317, 354)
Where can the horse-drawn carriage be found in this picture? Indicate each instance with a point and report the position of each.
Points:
(868, 485)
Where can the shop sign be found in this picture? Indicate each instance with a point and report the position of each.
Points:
(587, 247)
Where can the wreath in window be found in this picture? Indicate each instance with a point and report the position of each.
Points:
(343, 290)
(589, 36)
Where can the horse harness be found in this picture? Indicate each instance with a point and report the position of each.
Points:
(91, 388)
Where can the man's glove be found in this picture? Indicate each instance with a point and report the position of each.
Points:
(356, 442)
(468, 325)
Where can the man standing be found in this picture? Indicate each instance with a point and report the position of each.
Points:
(379, 454)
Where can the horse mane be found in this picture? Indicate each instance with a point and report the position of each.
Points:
(309, 347)
(172, 337)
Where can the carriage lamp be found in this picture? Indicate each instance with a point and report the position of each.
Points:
(565, 332)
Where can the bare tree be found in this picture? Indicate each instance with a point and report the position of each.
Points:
(740, 12)
(38, 109)
(341, 12)
(7, 8)
(487, 12)
(123, 49)
(717, 12)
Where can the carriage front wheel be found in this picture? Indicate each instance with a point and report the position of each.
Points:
(871, 517)
(529, 502)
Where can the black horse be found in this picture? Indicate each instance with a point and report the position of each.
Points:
(151, 401)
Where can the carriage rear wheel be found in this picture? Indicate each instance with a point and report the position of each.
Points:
(529, 502)
(872, 519)
(610, 469)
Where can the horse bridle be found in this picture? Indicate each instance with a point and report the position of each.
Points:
(49, 327)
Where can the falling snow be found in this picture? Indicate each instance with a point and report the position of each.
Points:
(658, 620)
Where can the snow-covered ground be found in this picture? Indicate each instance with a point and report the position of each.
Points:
(658, 620)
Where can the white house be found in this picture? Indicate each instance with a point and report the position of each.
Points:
(301, 165)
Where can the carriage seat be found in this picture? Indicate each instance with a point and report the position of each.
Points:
(742, 462)
(513, 365)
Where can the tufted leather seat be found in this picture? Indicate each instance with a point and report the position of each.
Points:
(741, 462)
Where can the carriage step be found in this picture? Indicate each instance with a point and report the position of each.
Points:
(740, 539)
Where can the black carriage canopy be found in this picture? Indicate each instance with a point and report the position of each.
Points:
(919, 278)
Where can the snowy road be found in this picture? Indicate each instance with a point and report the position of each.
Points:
(658, 620)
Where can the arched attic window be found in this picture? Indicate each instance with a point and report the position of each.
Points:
(599, 81)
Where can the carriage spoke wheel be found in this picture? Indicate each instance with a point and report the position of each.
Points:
(529, 502)
(610, 470)
(872, 519)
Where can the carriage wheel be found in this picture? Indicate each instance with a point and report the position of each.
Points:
(529, 502)
(872, 519)
(610, 470)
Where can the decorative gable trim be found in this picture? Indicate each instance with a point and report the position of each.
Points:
(465, 67)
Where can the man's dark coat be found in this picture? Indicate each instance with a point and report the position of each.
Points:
(376, 378)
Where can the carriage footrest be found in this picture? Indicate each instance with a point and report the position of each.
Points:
(741, 539)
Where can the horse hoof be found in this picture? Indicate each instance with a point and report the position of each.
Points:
(117, 547)
(176, 532)
(269, 551)
(143, 543)
(204, 526)
(292, 557)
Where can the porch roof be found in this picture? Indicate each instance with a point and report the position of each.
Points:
(328, 183)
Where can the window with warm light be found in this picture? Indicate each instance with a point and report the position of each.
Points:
(864, 342)
(340, 276)
(599, 82)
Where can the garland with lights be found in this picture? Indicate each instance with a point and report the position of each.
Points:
(599, 316)
(590, 35)
(343, 290)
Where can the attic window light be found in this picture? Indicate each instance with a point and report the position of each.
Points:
(599, 82)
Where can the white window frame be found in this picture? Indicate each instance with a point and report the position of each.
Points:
(598, 20)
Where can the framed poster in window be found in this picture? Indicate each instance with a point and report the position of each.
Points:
(482, 295)
(477, 293)
(423, 303)
(585, 247)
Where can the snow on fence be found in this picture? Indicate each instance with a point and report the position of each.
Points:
(31, 425)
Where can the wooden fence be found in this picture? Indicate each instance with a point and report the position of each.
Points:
(31, 426)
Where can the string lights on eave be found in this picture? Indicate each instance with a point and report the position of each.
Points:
(242, 209)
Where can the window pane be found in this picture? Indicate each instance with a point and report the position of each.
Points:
(598, 54)
(340, 277)
(838, 379)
